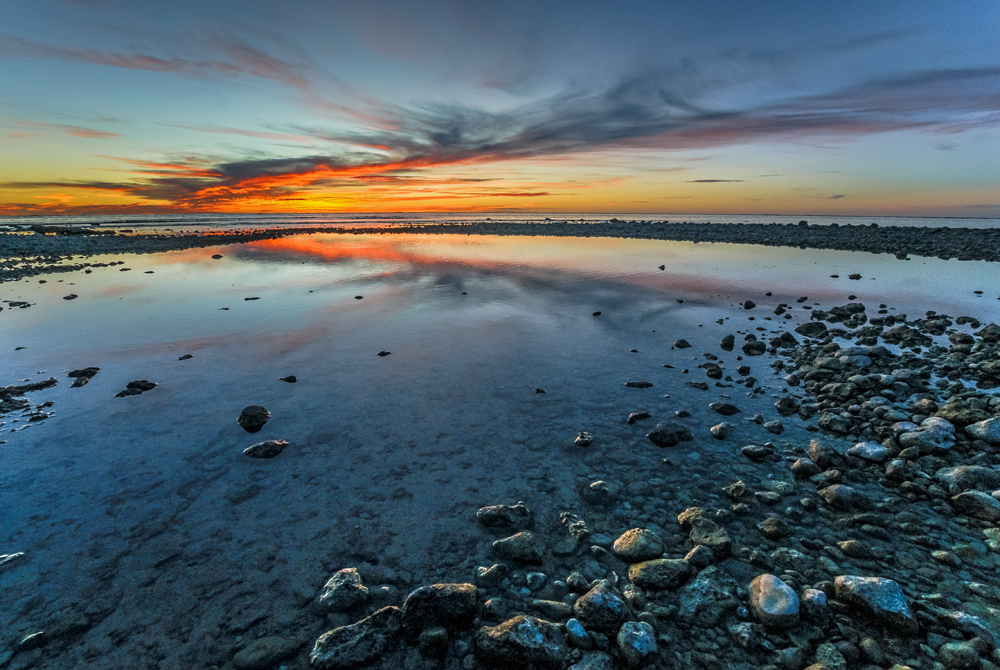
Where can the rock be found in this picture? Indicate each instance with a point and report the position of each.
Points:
(722, 430)
(268, 449)
(358, 643)
(583, 439)
(637, 416)
(669, 434)
(879, 598)
(638, 544)
(71, 296)
(812, 329)
(433, 642)
(553, 609)
(705, 532)
(786, 405)
(136, 387)
(969, 477)
(660, 574)
(708, 598)
(522, 640)
(739, 492)
(34, 640)
(774, 427)
(934, 434)
(492, 575)
(774, 602)
(757, 452)
(595, 660)
(265, 653)
(988, 430)
(514, 517)
(728, 342)
(960, 413)
(216, 256)
(185, 357)
(724, 408)
(82, 377)
(291, 379)
(774, 528)
(754, 348)
(700, 557)
(523, 547)
(638, 385)
(977, 504)
(959, 656)
(602, 608)
(845, 498)
(383, 354)
(805, 468)
(822, 455)
(749, 304)
(834, 423)
(637, 643)
(576, 634)
(453, 606)
(682, 344)
(343, 591)
(253, 418)
(873, 452)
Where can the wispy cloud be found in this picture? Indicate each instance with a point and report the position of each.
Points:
(713, 181)
(75, 131)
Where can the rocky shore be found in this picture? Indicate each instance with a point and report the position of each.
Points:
(26, 253)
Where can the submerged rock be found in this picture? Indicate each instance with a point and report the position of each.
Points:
(136, 387)
(522, 640)
(669, 433)
(268, 449)
(505, 516)
(253, 418)
(523, 547)
(452, 606)
(359, 643)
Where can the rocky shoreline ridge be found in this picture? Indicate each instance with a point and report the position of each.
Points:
(44, 249)
(874, 546)
(880, 555)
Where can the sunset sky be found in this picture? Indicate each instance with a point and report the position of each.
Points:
(876, 107)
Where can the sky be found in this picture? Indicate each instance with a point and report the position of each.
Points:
(711, 106)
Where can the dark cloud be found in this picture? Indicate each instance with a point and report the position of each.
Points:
(836, 197)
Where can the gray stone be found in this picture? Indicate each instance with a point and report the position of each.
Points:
(988, 430)
(638, 544)
(264, 653)
(595, 660)
(774, 602)
(881, 599)
(724, 408)
(775, 427)
(958, 656)
(934, 434)
(637, 643)
(452, 606)
(343, 591)
(522, 640)
(253, 418)
(708, 598)
(845, 498)
(268, 449)
(358, 643)
(602, 608)
(523, 547)
(977, 504)
(660, 573)
(513, 517)
(969, 477)
(576, 634)
(873, 452)
(669, 434)
(721, 431)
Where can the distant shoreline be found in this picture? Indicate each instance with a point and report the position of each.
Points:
(25, 254)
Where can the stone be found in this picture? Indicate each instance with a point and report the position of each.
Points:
(669, 434)
(722, 430)
(757, 453)
(453, 606)
(682, 344)
(873, 452)
(708, 598)
(602, 608)
(739, 492)
(253, 418)
(774, 602)
(637, 643)
(812, 329)
(724, 408)
(959, 656)
(637, 416)
(934, 434)
(136, 387)
(774, 528)
(523, 547)
(786, 405)
(706, 532)
(522, 640)
(638, 544)
(638, 385)
(576, 634)
(433, 642)
(845, 498)
(513, 517)
(583, 439)
(268, 449)
(358, 643)
(822, 455)
(265, 653)
(988, 430)
(775, 427)
(291, 379)
(343, 591)
(880, 598)
(553, 609)
(728, 342)
(83, 376)
(977, 504)
(969, 477)
(754, 348)
(660, 574)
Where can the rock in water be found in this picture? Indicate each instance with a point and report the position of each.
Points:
(268, 449)
(977, 504)
(682, 344)
(988, 430)
(637, 545)
(728, 342)
(660, 573)
(523, 547)
(291, 379)
(754, 348)
(83, 376)
(343, 591)
(880, 598)
(357, 644)
(774, 602)
(669, 433)
(523, 640)
(253, 418)
(602, 608)
(637, 643)
(583, 439)
(265, 653)
(707, 599)
(724, 408)
(452, 606)
(638, 385)
(136, 387)
(505, 516)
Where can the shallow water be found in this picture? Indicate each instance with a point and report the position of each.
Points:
(142, 521)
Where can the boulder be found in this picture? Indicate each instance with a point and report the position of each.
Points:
(637, 643)
(977, 504)
(669, 434)
(343, 591)
(660, 574)
(358, 643)
(602, 608)
(638, 544)
(253, 418)
(774, 602)
(988, 430)
(522, 640)
(452, 606)
(505, 516)
(879, 598)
